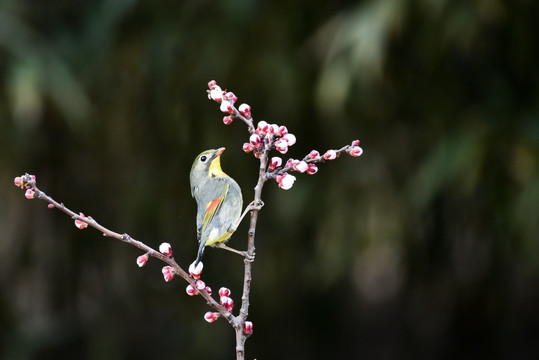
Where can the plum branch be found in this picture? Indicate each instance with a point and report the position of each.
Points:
(263, 139)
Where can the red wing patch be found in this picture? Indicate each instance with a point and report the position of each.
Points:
(212, 205)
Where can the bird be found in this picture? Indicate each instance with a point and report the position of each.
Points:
(219, 202)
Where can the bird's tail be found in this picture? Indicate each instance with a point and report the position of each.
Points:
(200, 252)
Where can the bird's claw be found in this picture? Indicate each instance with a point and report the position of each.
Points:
(255, 205)
(249, 257)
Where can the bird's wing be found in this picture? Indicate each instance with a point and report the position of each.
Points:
(212, 208)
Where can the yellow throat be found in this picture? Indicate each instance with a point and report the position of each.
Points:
(215, 168)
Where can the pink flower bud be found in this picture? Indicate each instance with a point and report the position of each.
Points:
(248, 328)
(291, 162)
(142, 260)
(50, 206)
(245, 110)
(191, 290)
(224, 292)
(301, 166)
(330, 155)
(355, 151)
(312, 169)
(212, 84)
(216, 94)
(195, 271)
(285, 181)
(231, 97)
(227, 120)
(282, 131)
(227, 302)
(211, 316)
(355, 143)
(275, 162)
(29, 194)
(273, 129)
(168, 273)
(248, 147)
(314, 154)
(81, 224)
(165, 249)
(199, 284)
(255, 140)
(290, 139)
(208, 290)
(262, 128)
(18, 182)
(281, 146)
(226, 107)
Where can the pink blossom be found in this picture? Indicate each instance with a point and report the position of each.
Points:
(18, 182)
(312, 169)
(262, 128)
(165, 249)
(355, 151)
(255, 140)
(314, 154)
(227, 302)
(248, 147)
(29, 194)
(227, 120)
(142, 260)
(301, 166)
(208, 290)
(355, 143)
(245, 110)
(285, 181)
(50, 206)
(290, 139)
(224, 292)
(231, 97)
(273, 129)
(195, 271)
(275, 162)
(330, 155)
(168, 273)
(81, 224)
(291, 162)
(211, 316)
(226, 107)
(191, 290)
(281, 131)
(212, 84)
(281, 146)
(248, 328)
(199, 284)
(216, 94)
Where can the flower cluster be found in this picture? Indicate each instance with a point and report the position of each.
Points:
(266, 137)
(225, 299)
(193, 290)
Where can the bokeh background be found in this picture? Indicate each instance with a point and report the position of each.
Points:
(426, 247)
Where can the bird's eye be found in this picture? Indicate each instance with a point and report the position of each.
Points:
(203, 158)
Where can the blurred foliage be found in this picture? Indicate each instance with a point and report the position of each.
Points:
(426, 247)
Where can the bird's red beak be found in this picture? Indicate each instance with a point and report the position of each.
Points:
(220, 151)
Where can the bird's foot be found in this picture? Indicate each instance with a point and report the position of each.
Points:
(255, 205)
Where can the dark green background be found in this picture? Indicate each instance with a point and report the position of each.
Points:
(426, 247)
